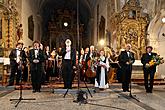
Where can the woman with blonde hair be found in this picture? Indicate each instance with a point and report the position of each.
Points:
(101, 71)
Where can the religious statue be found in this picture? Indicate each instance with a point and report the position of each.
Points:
(19, 32)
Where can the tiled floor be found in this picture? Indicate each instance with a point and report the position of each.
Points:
(110, 99)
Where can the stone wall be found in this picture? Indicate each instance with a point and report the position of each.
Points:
(102, 4)
(156, 39)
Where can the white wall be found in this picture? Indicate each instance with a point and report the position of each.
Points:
(28, 9)
(102, 12)
(155, 30)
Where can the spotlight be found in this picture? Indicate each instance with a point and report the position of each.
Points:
(102, 42)
(65, 24)
(163, 19)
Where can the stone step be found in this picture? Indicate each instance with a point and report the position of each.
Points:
(54, 86)
(142, 79)
(155, 83)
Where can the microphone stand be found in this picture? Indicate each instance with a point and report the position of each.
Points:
(80, 94)
(130, 93)
(21, 87)
(130, 85)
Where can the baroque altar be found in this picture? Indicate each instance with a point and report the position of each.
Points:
(132, 27)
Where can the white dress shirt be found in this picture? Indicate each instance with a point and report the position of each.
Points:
(18, 53)
(36, 53)
(85, 56)
(68, 53)
(128, 53)
(47, 52)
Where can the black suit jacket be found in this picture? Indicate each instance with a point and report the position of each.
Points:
(123, 58)
(47, 56)
(125, 69)
(146, 58)
(41, 56)
(13, 56)
(73, 55)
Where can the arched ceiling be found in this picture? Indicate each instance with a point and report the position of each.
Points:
(45, 7)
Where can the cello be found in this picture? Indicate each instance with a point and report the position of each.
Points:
(91, 72)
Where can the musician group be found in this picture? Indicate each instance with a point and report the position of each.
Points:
(98, 67)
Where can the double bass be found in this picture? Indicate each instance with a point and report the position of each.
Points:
(83, 68)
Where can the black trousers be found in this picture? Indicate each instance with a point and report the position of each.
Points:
(47, 76)
(25, 73)
(36, 76)
(14, 70)
(149, 85)
(126, 77)
(67, 73)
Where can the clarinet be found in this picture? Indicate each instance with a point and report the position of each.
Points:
(19, 60)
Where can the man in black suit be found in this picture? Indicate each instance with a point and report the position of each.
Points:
(17, 59)
(126, 59)
(36, 58)
(68, 64)
(148, 70)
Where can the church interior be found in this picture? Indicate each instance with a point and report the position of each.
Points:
(115, 23)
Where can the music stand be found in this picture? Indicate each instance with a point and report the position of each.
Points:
(115, 65)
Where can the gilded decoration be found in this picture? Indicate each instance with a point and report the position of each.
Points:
(8, 24)
(131, 28)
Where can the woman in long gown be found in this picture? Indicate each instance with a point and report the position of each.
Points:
(101, 71)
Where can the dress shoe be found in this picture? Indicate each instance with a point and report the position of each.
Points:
(34, 91)
(9, 85)
(17, 84)
(124, 91)
(38, 90)
(148, 91)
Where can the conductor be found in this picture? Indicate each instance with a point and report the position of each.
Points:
(68, 64)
